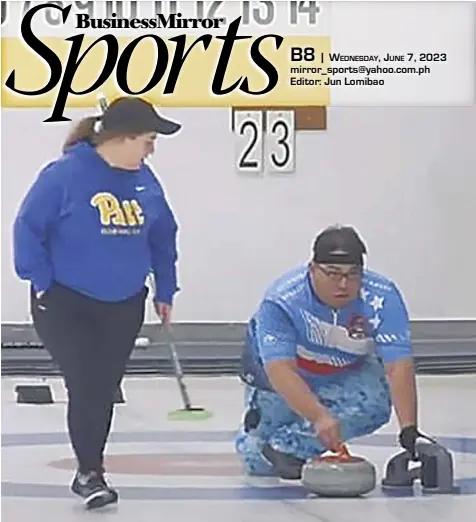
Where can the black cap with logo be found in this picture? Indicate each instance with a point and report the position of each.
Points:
(136, 116)
(339, 245)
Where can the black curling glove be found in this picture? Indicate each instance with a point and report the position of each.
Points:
(407, 439)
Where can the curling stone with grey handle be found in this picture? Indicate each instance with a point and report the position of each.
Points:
(339, 475)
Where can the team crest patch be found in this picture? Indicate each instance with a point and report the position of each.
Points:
(357, 328)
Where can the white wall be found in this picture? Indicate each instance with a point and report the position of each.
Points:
(403, 176)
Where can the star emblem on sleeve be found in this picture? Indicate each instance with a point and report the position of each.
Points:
(377, 303)
(375, 321)
(364, 294)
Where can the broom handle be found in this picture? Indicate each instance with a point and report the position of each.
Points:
(175, 360)
(178, 369)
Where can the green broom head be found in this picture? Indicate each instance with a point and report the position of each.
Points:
(189, 414)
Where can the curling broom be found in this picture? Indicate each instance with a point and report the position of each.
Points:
(188, 412)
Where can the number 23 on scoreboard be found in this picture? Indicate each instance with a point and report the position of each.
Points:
(258, 151)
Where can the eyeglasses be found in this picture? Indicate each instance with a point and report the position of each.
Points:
(337, 275)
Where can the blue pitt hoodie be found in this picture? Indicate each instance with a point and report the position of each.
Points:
(96, 229)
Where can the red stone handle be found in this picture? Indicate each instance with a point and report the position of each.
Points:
(341, 455)
(343, 451)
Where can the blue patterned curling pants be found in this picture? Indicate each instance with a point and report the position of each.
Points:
(360, 399)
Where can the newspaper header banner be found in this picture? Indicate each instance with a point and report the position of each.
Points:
(57, 55)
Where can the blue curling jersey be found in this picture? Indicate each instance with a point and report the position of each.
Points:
(291, 322)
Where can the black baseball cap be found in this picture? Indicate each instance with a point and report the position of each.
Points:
(339, 245)
(136, 116)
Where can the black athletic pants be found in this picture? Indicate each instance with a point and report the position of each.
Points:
(91, 342)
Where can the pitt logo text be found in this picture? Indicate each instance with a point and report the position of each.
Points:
(118, 217)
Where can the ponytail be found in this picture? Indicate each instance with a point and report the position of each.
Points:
(82, 131)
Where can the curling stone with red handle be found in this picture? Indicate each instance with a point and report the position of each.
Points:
(339, 475)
